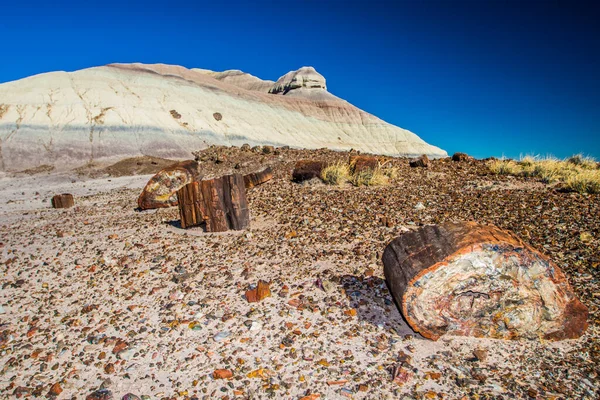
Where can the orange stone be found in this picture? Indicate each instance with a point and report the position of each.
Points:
(55, 390)
(259, 293)
(351, 312)
(313, 396)
(119, 346)
(222, 374)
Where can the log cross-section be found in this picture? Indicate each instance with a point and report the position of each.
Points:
(64, 200)
(220, 203)
(468, 279)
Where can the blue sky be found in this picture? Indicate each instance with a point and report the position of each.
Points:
(488, 78)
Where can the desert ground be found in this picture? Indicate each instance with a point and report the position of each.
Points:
(102, 298)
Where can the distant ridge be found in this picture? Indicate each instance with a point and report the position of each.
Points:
(67, 119)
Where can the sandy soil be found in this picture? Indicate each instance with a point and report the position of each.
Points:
(101, 296)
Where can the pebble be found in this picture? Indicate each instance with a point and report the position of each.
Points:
(102, 394)
(221, 336)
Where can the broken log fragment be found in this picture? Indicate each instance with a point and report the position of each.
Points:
(467, 279)
(64, 200)
(420, 162)
(259, 293)
(257, 178)
(307, 169)
(220, 202)
(461, 157)
(161, 189)
(363, 163)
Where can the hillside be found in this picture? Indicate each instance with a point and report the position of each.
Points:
(103, 114)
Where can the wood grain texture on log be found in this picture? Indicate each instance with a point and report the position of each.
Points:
(64, 200)
(220, 203)
(468, 279)
(161, 189)
(307, 169)
(258, 178)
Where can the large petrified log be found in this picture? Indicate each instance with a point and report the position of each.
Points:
(307, 169)
(161, 189)
(220, 202)
(64, 200)
(474, 280)
(257, 178)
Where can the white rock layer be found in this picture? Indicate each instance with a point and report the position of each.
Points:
(124, 110)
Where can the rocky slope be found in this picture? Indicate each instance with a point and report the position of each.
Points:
(121, 110)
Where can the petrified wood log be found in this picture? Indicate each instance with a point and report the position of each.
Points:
(474, 280)
(420, 162)
(257, 178)
(220, 202)
(161, 189)
(64, 200)
(307, 169)
(363, 163)
(461, 157)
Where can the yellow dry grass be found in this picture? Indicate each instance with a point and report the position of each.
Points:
(336, 174)
(370, 177)
(577, 173)
(341, 172)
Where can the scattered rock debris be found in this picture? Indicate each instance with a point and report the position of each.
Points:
(165, 338)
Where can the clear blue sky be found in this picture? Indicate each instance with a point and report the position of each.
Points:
(487, 78)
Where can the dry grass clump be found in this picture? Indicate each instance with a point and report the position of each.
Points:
(336, 174)
(370, 177)
(583, 161)
(341, 172)
(504, 167)
(577, 173)
(584, 182)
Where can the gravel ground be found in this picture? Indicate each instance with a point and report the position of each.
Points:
(101, 296)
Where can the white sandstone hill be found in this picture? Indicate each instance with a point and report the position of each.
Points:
(99, 114)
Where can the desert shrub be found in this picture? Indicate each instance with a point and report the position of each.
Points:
(582, 161)
(336, 174)
(528, 161)
(391, 172)
(370, 177)
(504, 167)
(585, 182)
(577, 173)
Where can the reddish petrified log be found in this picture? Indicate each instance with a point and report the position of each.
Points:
(420, 162)
(64, 200)
(220, 203)
(363, 163)
(475, 280)
(258, 178)
(307, 169)
(461, 157)
(161, 189)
